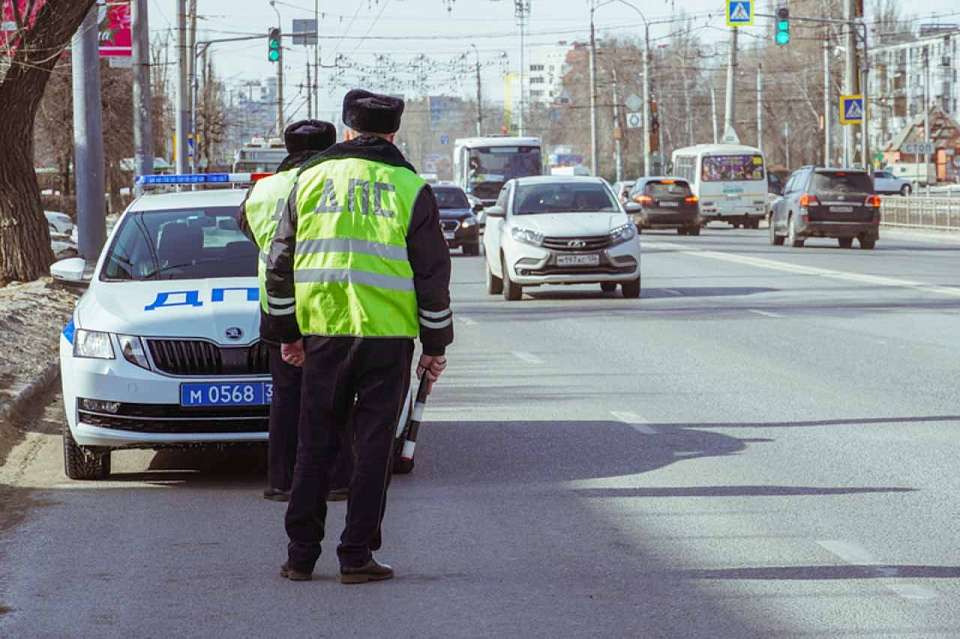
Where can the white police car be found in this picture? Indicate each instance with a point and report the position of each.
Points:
(163, 348)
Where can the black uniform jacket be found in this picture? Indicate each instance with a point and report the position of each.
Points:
(426, 250)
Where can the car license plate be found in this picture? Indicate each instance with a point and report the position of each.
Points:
(578, 260)
(669, 204)
(841, 209)
(226, 394)
(448, 235)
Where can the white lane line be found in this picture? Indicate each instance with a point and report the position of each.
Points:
(858, 555)
(786, 267)
(466, 321)
(529, 358)
(766, 313)
(638, 423)
(672, 291)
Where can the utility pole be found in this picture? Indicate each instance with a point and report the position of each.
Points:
(647, 128)
(193, 85)
(142, 98)
(926, 115)
(849, 74)
(760, 107)
(309, 92)
(713, 108)
(183, 104)
(786, 141)
(827, 102)
(88, 138)
(316, 59)
(522, 10)
(279, 72)
(730, 112)
(617, 131)
(479, 94)
(594, 151)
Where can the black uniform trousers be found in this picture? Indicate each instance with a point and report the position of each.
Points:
(284, 424)
(371, 376)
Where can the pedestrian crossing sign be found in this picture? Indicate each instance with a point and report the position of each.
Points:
(739, 13)
(851, 109)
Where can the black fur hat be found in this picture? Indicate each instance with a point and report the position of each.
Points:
(309, 135)
(367, 112)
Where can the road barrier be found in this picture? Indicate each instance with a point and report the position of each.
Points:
(922, 212)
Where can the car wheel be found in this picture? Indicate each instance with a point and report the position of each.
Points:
(868, 244)
(631, 289)
(775, 240)
(471, 249)
(694, 230)
(494, 283)
(792, 238)
(906, 190)
(512, 291)
(845, 242)
(82, 463)
(608, 287)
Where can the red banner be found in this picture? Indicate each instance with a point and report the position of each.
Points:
(116, 35)
(9, 31)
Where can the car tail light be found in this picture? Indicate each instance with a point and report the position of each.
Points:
(691, 199)
(873, 201)
(643, 199)
(807, 200)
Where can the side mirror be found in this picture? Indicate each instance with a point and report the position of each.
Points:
(632, 207)
(477, 207)
(72, 271)
(495, 211)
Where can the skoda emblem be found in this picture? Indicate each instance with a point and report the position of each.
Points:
(576, 244)
(234, 332)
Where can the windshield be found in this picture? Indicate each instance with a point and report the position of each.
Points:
(842, 183)
(497, 164)
(667, 188)
(180, 245)
(732, 168)
(564, 197)
(451, 199)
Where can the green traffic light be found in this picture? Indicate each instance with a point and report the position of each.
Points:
(783, 38)
(274, 55)
(783, 25)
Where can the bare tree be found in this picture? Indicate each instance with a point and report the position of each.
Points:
(43, 31)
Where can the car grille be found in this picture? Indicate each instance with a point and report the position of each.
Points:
(449, 225)
(173, 419)
(198, 357)
(592, 243)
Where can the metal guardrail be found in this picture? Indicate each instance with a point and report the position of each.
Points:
(922, 212)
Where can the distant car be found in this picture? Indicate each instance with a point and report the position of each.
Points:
(460, 226)
(819, 202)
(59, 222)
(622, 190)
(886, 182)
(664, 202)
(560, 230)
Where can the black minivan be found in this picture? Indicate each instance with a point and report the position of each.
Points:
(821, 202)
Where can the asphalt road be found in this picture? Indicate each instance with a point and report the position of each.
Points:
(764, 445)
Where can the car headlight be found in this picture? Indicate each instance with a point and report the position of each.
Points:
(623, 233)
(92, 344)
(467, 222)
(133, 351)
(527, 236)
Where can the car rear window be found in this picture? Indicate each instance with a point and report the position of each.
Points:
(451, 198)
(842, 182)
(667, 188)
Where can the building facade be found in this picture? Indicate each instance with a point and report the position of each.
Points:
(546, 66)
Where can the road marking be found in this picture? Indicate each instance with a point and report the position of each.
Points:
(529, 358)
(638, 423)
(858, 555)
(467, 321)
(672, 291)
(766, 313)
(786, 267)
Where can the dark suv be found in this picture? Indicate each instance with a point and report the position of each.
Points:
(664, 202)
(457, 218)
(819, 202)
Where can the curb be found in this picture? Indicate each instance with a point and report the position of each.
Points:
(31, 391)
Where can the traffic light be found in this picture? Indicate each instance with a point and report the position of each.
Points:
(783, 26)
(274, 52)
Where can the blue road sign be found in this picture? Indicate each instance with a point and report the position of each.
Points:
(851, 109)
(444, 139)
(740, 13)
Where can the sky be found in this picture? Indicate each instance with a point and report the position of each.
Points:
(361, 30)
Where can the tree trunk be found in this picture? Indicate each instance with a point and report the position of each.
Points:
(24, 236)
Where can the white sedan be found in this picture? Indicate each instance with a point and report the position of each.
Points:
(560, 230)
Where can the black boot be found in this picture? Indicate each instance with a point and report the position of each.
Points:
(370, 571)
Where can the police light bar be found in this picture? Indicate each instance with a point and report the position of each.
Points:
(147, 181)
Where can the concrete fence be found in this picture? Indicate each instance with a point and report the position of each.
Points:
(922, 212)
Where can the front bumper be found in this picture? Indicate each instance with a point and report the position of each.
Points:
(151, 416)
(459, 235)
(532, 265)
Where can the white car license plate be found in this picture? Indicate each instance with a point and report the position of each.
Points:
(226, 394)
(669, 204)
(578, 260)
(841, 209)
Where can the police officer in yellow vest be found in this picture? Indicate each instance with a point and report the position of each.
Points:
(259, 216)
(360, 268)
